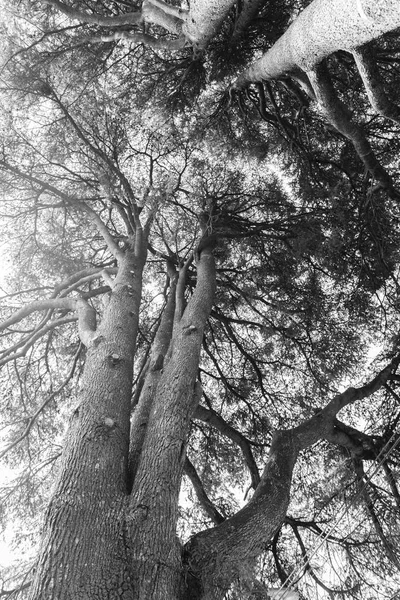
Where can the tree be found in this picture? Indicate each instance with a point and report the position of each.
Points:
(277, 288)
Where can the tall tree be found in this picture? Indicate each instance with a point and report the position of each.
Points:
(204, 306)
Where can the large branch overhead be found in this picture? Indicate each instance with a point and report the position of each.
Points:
(86, 315)
(320, 30)
(340, 117)
(374, 83)
(195, 26)
(216, 556)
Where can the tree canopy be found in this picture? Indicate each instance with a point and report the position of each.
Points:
(199, 326)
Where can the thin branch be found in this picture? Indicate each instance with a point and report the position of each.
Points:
(11, 354)
(32, 420)
(95, 19)
(38, 305)
(307, 566)
(141, 38)
(216, 421)
(102, 229)
(359, 469)
(201, 494)
(392, 483)
(73, 202)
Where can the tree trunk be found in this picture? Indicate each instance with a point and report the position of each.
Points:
(83, 554)
(144, 395)
(214, 558)
(153, 508)
(99, 543)
(204, 20)
(321, 29)
(199, 24)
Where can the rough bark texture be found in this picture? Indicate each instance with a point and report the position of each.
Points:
(204, 20)
(83, 553)
(248, 12)
(321, 29)
(98, 542)
(152, 375)
(153, 547)
(214, 558)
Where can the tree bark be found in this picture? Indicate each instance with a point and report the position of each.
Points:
(374, 84)
(204, 21)
(213, 559)
(321, 29)
(153, 372)
(339, 116)
(153, 508)
(83, 554)
(199, 24)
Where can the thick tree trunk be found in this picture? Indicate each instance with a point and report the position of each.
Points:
(204, 20)
(153, 509)
(83, 555)
(199, 24)
(153, 370)
(321, 29)
(214, 558)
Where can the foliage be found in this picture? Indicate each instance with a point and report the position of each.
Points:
(307, 275)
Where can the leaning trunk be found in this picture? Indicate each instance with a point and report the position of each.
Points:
(320, 30)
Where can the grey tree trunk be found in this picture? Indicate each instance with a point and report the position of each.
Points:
(321, 29)
(153, 506)
(83, 554)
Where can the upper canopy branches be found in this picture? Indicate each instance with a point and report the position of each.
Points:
(195, 25)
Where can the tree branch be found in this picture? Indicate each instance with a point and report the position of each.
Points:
(216, 421)
(363, 483)
(32, 420)
(318, 32)
(86, 315)
(38, 305)
(201, 494)
(162, 43)
(215, 556)
(11, 353)
(374, 84)
(73, 202)
(124, 19)
(180, 289)
(339, 116)
(102, 229)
